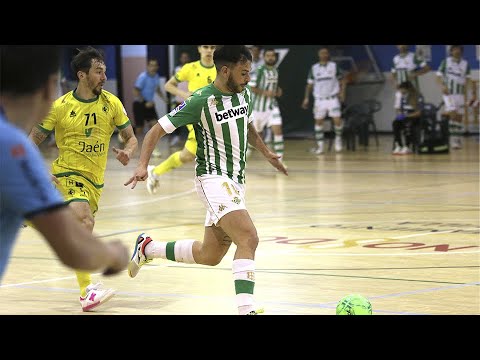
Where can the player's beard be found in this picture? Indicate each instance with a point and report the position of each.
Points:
(232, 86)
(96, 90)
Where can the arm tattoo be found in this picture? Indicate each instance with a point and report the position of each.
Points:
(37, 136)
(131, 142)
(126, 133)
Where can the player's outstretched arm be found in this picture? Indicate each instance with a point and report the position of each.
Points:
(131, 143)
(38, 137)
(256, 141)
(155, 133)
(76, 247)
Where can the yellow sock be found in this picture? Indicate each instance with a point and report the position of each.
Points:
(84, 279)
(171, 163)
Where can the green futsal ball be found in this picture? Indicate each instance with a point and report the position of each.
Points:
(354, 305)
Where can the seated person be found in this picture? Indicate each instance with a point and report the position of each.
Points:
(409, 108)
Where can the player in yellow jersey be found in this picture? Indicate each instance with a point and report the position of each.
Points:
(198, 74)
(84, 120)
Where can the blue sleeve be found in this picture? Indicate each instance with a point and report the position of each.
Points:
(25, 181)
(139, 84)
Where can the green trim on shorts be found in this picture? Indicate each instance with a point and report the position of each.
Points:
(68, 173)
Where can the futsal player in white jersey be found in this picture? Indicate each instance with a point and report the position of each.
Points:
(454, 77)
(329, 85)
(407, 66)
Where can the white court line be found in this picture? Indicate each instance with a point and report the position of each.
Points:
(157, 198)
(40, 281)
(71, 277)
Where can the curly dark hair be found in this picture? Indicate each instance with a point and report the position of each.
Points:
(83, 60)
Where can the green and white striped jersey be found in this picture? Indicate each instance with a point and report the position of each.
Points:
(454, 74)
(266, 78)
(324, 78)
(255, 66)
(404, 65)
(221, 123)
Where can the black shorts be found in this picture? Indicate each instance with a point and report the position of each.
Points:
(141, 113)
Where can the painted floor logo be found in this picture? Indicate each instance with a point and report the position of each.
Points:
(371, 243)
(425, 237)
(454, 227)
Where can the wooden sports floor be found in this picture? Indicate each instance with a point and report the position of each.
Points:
(402, 231)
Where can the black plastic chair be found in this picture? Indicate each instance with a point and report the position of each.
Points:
(373, 107)
(354, 117)
(433, 128)
(360, 121)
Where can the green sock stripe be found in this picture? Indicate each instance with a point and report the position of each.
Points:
(170, 252)
(278, 146)
(244, 286)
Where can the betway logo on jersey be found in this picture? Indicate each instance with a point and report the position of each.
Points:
(233, 113)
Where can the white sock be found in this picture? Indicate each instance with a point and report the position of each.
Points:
(319, 135)
(179, 251)
(244, 278)
(278, 145)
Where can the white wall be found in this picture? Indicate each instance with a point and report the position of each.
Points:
(134, 61)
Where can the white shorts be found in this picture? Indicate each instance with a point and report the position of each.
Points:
(276, 118)
(330, 106)
(220, 195)
(263, 119)
(454, 103)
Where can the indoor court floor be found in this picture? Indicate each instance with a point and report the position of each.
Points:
(402, 231)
